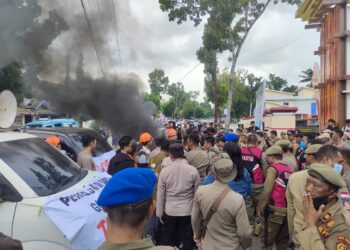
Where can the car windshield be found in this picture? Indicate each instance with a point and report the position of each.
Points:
(46, 170)
(101, 147)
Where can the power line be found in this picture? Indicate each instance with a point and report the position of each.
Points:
(92, 38)
(189, 72)
(276, 49)
(116, 35)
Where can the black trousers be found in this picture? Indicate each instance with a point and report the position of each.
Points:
(177, 229)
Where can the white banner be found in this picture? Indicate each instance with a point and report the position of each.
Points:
(78, 217)
(260, 106)
(102, 162)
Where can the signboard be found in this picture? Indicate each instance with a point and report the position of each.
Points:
(260, 106)
(78, 217)
(102, 161)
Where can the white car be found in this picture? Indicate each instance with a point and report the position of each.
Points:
(30, 172)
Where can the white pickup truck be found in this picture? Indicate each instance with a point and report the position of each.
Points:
(31, 171)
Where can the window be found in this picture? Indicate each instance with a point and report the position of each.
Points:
(101, 147)
(286, 103)
(43, 168)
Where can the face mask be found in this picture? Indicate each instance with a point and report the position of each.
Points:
(302, 144)
(338, 168)
(318, 201)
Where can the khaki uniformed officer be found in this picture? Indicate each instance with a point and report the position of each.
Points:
(311, 154)
(327, 223)
(127, 199)
(229, 226)
(274, 196)
(288, 159)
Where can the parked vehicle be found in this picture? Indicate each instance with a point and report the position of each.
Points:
(31, 172)
(56, 123)
(71, 139)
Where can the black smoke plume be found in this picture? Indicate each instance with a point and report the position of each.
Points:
(49, 38)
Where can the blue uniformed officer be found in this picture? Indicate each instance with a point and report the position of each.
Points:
(127, 199)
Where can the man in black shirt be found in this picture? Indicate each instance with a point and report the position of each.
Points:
(122, 158)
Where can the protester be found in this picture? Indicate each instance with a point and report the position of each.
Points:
(84, 158)
(242, 183)
(331, 124)
(56, 142)
(337, 138)
(327, 223)
(221, 141)
(171, 134)
(196, 156)
(300, 151)
(290, 136)
(176, 187)
(287, 158)
(243, 140)
(142, 157)
(121, 159)
(272, 204)
(158, 141)
(252, 127)
(251, 160)
(327, 155)
(221, 212)
(127, 199)
(239, 131)
(346, 130)
(211, 130)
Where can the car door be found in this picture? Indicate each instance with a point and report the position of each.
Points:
(8, 204)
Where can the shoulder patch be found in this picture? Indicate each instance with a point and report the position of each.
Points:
(346, 203)
(342, 243)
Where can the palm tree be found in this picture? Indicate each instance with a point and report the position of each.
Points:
(306, 76)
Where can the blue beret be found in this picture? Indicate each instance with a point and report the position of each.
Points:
(231, 137)
(128, 186)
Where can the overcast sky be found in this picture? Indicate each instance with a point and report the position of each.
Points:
(277, 44)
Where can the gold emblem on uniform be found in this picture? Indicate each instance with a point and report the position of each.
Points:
(341, 246)
(323, 232)
(330, 224)
(326, 217)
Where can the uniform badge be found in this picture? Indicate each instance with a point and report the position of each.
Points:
(341, 246)
(346, 203)
(326, 217)
(323, 232)
(330, 224)
(342, 243)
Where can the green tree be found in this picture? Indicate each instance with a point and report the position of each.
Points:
(10, 78)
(236, 19)
(291, 89)
(276, 82)
(306, 76)
(158, 82)
(188, 110)
(169, 107)
(151, 97)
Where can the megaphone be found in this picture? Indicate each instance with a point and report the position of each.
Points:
(8, 109)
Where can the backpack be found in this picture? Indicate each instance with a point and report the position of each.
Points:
(254, 167)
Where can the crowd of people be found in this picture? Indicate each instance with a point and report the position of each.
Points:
(216, 190)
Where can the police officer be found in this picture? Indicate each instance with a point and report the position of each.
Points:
(274, 196)
(287, 159)
(127, 199)
(327, 223)
(311, 154)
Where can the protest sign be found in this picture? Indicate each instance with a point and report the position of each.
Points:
(102, 161)
(77, 215)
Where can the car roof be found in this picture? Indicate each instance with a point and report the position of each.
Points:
(61, 130)
(54, 121)
(13, 136)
